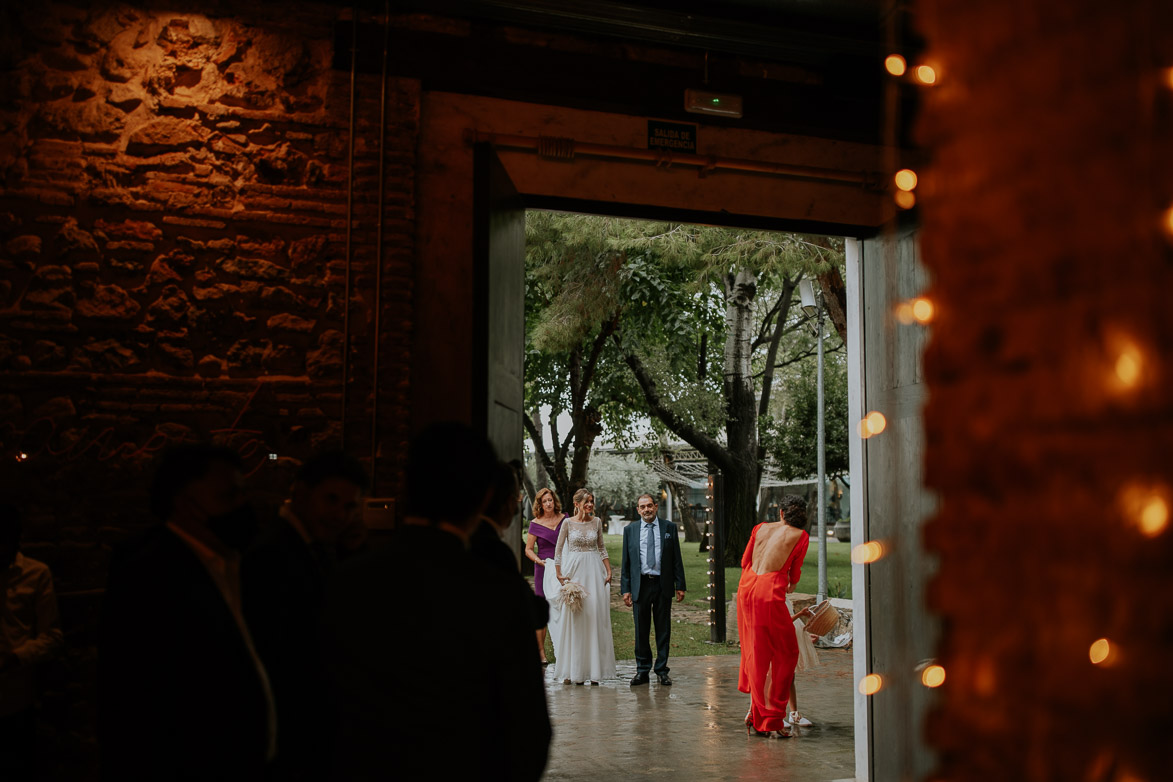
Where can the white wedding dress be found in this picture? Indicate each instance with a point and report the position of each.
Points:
(583, 646)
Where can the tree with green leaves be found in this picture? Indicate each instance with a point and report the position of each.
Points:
(702, 318)
(790, 436)
(572, 309)
(738, 298)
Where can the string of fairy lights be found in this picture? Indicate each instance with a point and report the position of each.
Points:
(709, 540)
(1143, 503)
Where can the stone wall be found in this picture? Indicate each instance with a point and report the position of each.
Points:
(1049, 417)
(173, 201)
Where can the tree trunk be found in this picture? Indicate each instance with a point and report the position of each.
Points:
(741, 419)
(740, 505)
(692, 529)
(543, 480)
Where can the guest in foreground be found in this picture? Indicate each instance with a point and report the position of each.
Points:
(652, 566)
(30, 634)
(584, 647)
(487, 546)
(284, 579)
(473, 707)
(543, 530)
(771, 566)
(182, 694)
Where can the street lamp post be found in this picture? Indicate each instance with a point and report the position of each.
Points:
(812, 305)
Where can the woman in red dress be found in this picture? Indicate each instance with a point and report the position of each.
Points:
(770, 568)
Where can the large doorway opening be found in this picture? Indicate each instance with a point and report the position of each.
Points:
(456, 237)
(649, 344)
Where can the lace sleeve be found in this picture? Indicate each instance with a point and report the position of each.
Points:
(602, 547)
(561, 542)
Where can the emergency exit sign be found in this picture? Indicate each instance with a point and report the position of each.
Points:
(672, 136)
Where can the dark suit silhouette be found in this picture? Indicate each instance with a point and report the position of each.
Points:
(652, 597)
(179, 695)
(435, 666)
(283, 585)
(487, 546)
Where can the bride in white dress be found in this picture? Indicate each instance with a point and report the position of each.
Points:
(583, 646)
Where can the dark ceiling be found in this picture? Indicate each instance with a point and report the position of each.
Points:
(810, 67)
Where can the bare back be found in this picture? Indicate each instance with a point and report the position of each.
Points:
(772, 547)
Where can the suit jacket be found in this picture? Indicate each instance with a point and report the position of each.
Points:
(473, 707)
(283, 585)
(179, 696)
(671, 562)
(487, 546)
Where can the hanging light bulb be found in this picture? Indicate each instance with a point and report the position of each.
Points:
(1100, 651)
(895, 64)
(933, 676)
(926, 75)
(871, 684)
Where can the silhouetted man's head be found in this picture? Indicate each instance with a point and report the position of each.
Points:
(502, 505)
(449, 472)
(197, 484)
(327, 494)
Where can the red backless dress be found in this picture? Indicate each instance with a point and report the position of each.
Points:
(769, 646)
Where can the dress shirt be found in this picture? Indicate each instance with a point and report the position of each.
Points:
(653, 529)
(29, 628)
(224, 569)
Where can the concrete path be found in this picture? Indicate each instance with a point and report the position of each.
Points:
(694, 729)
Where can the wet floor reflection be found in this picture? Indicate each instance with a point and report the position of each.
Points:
(694, 729)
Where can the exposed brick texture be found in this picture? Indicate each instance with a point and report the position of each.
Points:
(1050, 139)
(173, 198)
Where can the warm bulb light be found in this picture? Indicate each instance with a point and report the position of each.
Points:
(1147, 506)
(1128, 365)
(1154, 516)
(904, 199)
(1167, 77)
(867, 553)
(933, 676)
(22, 456)
(904, 313)
(895, 64)
(905, 179)
(925, 74)
(923, 310)
(1099, 651)
(871, 684)
(872, 425)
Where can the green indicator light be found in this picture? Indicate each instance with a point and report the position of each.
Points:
(716, 100)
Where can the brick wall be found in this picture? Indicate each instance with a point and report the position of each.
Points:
(1050, 140)
(173, 195)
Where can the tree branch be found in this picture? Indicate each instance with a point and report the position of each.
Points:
(559, 452)
(535, 437)
(788, 285)
(761, 338)
(690, 434)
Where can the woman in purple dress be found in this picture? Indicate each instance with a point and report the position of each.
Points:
(543, 529)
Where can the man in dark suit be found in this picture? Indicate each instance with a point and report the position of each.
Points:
(182, 694)
(469, 703)
(284, 578)
(486, 544)
(652, 566)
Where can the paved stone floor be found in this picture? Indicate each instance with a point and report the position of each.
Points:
(694, 729)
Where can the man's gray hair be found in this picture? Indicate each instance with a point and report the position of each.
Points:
(645, 494)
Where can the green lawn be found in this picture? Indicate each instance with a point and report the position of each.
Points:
(690, 635)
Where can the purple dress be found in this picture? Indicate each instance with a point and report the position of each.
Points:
(547, 538)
